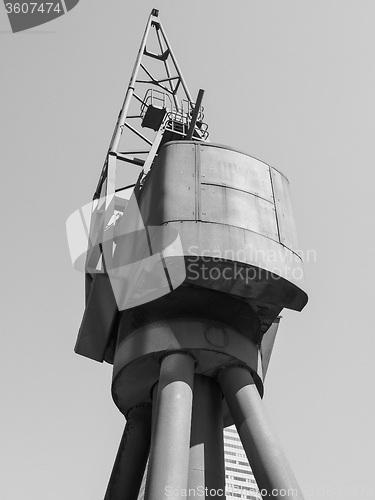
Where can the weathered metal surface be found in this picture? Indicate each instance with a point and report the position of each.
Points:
(266, 346)
(228, 214)
(132, 455)
(267, 460)
(206, 460)
(225, 167)
(169, 454)
(228, 206)
(262, 270)
(98, 320)
(136, 364)
(169, 192)
(216, 328)
(284, 209)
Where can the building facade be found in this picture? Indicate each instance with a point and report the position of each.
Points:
(239, 479)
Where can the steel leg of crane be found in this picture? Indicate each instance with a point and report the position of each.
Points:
(267, 460)
(154, 394)
(206, 463)
(169, 455)
(132, 455)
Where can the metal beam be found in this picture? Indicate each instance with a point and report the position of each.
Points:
(167, 70)
(175, 62)
(194, 116)
(169, 456)
(267, 460)
(206, 462)
(132, 455)
(129, 93)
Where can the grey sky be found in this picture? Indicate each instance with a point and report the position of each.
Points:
(288, 81)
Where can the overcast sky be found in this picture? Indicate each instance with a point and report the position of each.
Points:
(288, 81)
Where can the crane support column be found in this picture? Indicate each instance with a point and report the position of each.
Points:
(132, 455)
(206, 463)
(169, 456)
(267, 460)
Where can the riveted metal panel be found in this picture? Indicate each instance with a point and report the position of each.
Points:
(169, 192)
(284, 210)
(214, 218)
(236, 170)
(229, 206)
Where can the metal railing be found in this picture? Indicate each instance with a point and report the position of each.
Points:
(177, 118)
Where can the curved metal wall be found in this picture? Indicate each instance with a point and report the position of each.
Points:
(226, 205)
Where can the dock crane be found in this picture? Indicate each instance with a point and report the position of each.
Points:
(192, 255)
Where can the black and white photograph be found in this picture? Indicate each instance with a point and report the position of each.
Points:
(187, 250)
